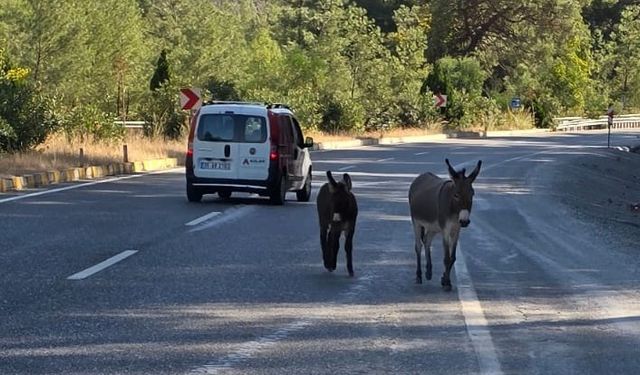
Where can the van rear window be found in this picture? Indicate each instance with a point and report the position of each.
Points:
(224, 127)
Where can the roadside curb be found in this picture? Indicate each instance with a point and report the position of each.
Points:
(30, 181)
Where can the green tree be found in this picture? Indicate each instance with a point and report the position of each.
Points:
(625, 59)
(161, 74)
(25, 120)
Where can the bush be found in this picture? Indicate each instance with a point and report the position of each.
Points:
(461, 80)
(163, 117)
(25, 118)
(89, 123)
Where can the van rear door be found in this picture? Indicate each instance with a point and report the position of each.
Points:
(230, 145)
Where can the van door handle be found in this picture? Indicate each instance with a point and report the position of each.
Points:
(227, 151)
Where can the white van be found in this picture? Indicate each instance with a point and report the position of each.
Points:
(247, 147)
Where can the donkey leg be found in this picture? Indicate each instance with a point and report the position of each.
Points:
(445, 281)
(324, 233)
(334, 248)
(426, 240)
(348, 248)
(418, 231)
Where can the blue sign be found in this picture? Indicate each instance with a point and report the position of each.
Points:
(515, 103)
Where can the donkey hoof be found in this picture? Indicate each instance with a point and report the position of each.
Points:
(428, 275)
(446, 288)
(350, 273)
(445, 282)
(418, 280)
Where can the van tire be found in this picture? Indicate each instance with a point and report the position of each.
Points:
(279, 192)
(193, 194)
(304, 194)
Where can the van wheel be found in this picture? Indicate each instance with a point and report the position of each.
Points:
(224, 194)
(304, 194)
(279, 192)
(193, 194)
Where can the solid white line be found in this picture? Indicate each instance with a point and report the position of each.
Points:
(381, 160)
(202, 218)
(477, 326)
(421, 153)
(346, 168)
(50, 191)
(102, 265)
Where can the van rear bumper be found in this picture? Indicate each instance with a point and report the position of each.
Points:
(216, 184)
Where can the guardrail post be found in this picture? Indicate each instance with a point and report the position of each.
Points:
(125, 154)
(81, 155)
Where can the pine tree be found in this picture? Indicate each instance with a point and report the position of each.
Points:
(161, 74)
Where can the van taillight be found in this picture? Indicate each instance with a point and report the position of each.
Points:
(192, 131)
(273, 155)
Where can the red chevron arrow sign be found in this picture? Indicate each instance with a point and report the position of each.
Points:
(440, 100)
(190, 98)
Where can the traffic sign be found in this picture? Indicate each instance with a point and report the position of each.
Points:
(190, 98)
(440, 100)
(515, 102)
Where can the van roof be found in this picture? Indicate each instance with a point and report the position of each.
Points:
(244, 107)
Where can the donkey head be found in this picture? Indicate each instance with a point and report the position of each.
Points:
(463, 191)
(340, 196)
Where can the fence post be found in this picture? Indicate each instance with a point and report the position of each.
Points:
(81, 156)
(125, 154)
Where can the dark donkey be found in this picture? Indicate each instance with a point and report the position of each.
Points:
(440, 206)
(337, 213)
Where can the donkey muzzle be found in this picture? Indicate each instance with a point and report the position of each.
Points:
(464, 218)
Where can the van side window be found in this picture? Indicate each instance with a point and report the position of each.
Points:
(297, 132)
(287, 131)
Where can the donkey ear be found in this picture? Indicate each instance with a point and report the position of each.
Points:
(347, 181)
(475, 172)
(452, 172)
(332, 181)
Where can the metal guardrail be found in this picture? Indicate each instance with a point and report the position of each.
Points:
(131, 124)
(577, 123)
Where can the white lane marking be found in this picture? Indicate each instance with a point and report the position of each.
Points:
(229, 215)
(474, 319)
(381, 160)
(346, 168)
(102, 265)
(202, 218)
(246, 350)
(51, 191)
(421, 153)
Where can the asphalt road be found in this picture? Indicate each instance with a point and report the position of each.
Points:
(238, 287)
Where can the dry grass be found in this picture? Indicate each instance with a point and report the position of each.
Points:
(58, 153)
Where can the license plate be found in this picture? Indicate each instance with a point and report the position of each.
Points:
(224, 165)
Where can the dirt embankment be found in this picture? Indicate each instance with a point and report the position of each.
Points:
(602, 190)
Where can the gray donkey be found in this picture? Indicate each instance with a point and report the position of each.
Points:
(337, 213)
(440, 206)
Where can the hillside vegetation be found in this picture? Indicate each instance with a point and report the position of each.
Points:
(73, 67)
